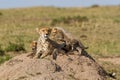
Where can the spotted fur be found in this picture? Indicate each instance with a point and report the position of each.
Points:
(60, 35)
(45, 45)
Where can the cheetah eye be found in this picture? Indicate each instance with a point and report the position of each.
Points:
(43, 30)
(55, 31)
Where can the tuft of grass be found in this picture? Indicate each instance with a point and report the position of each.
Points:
(95, 6)
(2, 52)
(1, 13)
(15, 47)
(69, 20)
(117, 20)
(4, 58)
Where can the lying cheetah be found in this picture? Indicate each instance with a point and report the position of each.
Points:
(72, 44)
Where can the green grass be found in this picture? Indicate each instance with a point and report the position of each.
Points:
(16, 47)
(2, 52)
(4, 58)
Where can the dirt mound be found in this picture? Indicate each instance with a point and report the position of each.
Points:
(71, 67)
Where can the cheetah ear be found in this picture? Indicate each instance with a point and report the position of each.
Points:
(50, 29)
(37, 30)
(54, 29)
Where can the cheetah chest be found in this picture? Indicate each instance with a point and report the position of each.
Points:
(45, 46)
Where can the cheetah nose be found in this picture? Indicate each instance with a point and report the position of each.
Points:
(47, 34)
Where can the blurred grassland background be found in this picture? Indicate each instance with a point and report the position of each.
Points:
(96, 27)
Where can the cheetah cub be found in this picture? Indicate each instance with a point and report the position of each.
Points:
(59, 35)
(33, 46)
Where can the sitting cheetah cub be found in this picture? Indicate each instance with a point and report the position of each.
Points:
(33, 46)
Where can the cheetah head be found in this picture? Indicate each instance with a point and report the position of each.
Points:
(33, 45)
(44, 32)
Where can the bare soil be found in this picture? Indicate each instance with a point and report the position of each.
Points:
(65, 67)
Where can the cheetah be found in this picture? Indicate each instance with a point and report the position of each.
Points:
(46, 46)
(59, 35)
(33, 46)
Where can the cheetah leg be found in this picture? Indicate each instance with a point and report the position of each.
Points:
(31, 55)
(54, 54)
(44, 55)
(79, 50)
(38, 54)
